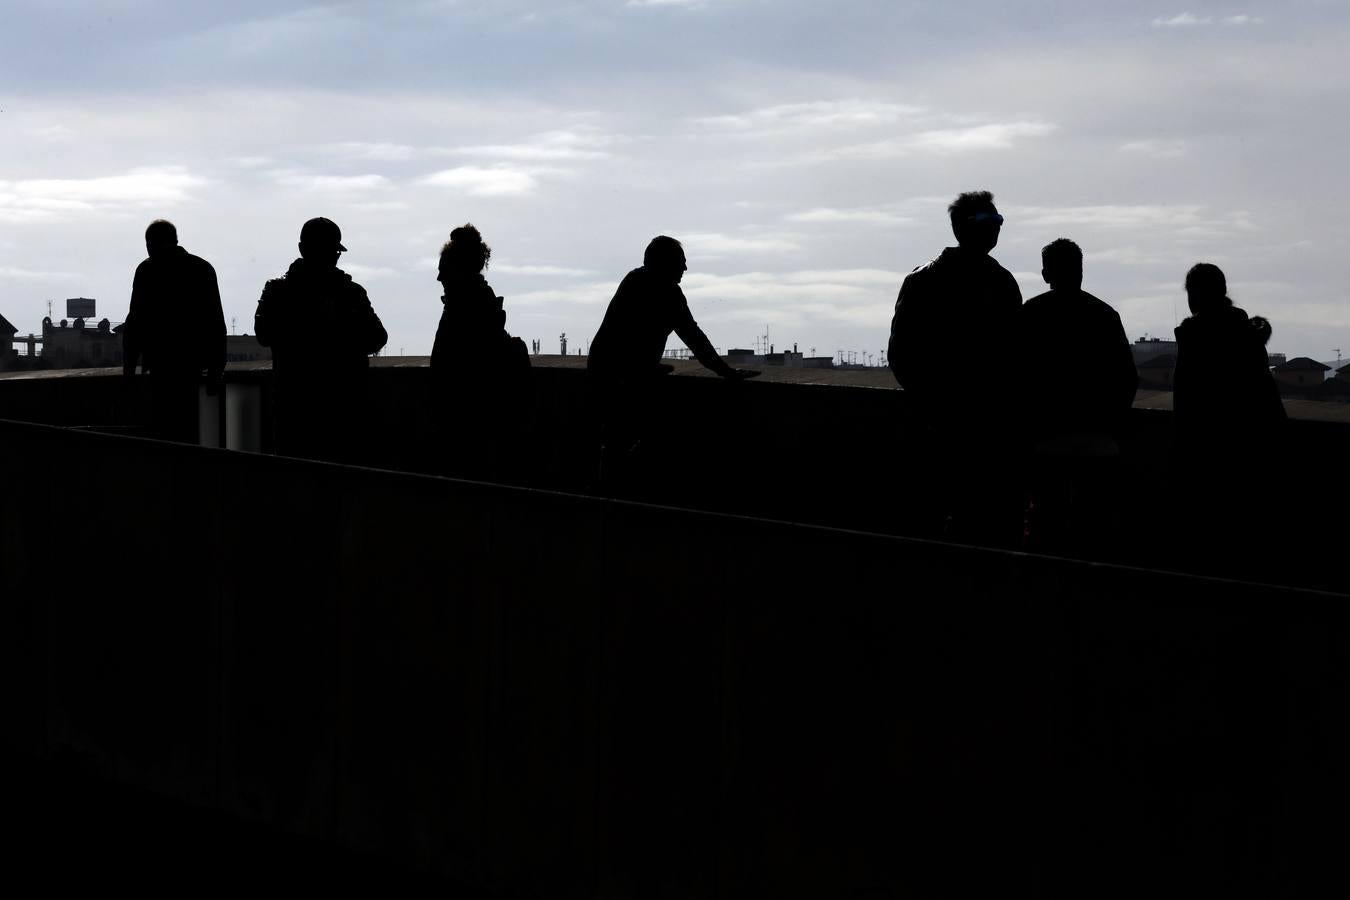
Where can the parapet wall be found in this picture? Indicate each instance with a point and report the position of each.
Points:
(830, 454)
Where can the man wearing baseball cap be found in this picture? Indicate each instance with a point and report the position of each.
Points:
(322, 331)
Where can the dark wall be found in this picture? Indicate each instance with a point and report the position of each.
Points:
(552, 695)
(850, 457)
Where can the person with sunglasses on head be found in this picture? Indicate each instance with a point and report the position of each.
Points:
(950, 335)
(322, 330)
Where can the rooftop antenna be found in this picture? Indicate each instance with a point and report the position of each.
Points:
(234, 325)
(1338, 355)
(49, 309)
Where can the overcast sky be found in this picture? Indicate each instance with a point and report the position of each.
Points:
(803, 151)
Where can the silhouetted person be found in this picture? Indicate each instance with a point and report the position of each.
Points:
(175, 331)
(1078, 386)
(625, 356)
(322, 331)
(949, 342)
(481, 374)
(1228, 415)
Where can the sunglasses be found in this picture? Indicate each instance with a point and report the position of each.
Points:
(986, 217)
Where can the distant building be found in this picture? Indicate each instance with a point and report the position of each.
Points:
(1147, 348)
(1157, 372)
(75, 345)
(245, 348)
(791, 359)
(1299, 375)
(1276, 359)
(7, 332)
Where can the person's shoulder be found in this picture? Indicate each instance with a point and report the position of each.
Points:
(1000, 272)
(1098, 305)
(275, 287)
(351, 285)
(637, 281)
(198, 262)
(921, 272)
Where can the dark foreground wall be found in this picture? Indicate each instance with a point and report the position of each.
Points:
(550, 695)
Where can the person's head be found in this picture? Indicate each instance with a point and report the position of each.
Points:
(160, 238)
(1062, 265)
(464, 254)
(321, 243)
(1206, 288)
(665, 257)
(975, 221)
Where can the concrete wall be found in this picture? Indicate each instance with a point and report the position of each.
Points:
(550, 695)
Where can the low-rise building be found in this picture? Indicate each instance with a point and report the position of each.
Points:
(245, 348)
(1299, 375)
(76, 345)
(1147, 348)
(1158, 372)
(7, 332)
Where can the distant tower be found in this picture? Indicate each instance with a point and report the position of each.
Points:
(562, 338)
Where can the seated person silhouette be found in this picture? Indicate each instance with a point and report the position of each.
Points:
(625, 355)
(480, 373)
(1078, 384)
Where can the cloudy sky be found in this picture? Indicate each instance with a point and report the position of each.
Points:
(803, 151)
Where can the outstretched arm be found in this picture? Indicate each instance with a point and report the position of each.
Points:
(697, 342)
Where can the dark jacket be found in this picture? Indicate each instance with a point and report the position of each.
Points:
(318, 323)
(475, 364)
(950, 333)
(471, 338)
(640, 318)
(1078, 373)
(175, 325)
(1225, 399)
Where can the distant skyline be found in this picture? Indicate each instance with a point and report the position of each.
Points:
(803, 152)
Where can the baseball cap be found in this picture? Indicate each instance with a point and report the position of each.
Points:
(320, 232)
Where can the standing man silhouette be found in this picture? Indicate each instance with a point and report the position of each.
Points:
(175, 331)
(322, 331)
(952, 327)
(1078, 384)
